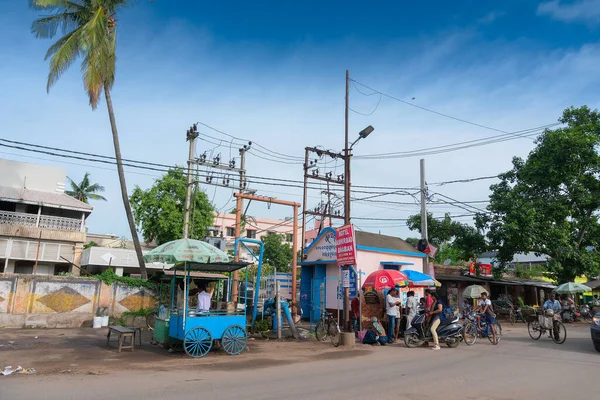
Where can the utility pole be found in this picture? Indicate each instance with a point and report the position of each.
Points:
(191, 136)
(304, 198)
(424, 212)
(239, 205)
(347, 220)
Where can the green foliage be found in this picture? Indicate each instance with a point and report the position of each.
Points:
(412, 241)
(90, 244)
(549, 203)
(109, 277)
(85, 190)
(455, 240)
(89, 31)
(160, 210)
(261, 325)
(529, 273)
(277, 253)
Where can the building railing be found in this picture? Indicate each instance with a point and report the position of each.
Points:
(45, 221)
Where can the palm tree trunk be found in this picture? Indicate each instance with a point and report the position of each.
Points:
(124, 195)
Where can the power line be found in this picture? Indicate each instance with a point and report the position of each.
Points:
(375, 91)
(253, 142)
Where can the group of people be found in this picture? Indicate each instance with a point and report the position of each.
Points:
(394, 312)
(431, 303)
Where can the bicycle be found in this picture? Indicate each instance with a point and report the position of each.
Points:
(541, 325)
(328, 326)
(471, 330)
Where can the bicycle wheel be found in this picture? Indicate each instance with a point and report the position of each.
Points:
(470, 333)
(533, 327)
(559, 333)
(512, 318)
(334, 333)
(320, 331)
(496, 333)
(150, 319)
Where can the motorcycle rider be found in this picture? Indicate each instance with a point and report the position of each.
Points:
(568, 307)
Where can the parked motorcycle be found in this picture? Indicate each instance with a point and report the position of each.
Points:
(449, 331)
(587, 313)
(569, 313)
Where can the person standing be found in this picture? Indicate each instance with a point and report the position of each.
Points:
(412, 307)
(436, 313)
(392, 301)
(355, 308)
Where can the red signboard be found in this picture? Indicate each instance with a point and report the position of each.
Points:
(484, 269)
(345, 247)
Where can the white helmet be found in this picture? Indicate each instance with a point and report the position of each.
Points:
(549, 312)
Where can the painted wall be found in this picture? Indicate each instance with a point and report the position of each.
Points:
(32, 176)
(50, 301)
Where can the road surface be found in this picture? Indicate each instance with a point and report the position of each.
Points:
(518, 368)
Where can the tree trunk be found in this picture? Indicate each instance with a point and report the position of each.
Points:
(124, 195)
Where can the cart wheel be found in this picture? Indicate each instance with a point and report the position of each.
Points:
(197, 342)
(234, 339)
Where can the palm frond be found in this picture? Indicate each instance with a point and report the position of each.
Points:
(55, 5)
(95, 196)
(95, 188)
(64, 51)
(96, 65)
(47, 27)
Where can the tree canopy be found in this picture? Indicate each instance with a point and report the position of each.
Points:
(456, 241)
(549, 203)
(159, 210)
(85, 190)
(277, 253)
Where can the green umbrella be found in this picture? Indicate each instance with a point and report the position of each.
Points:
(474, 291)
(186, 250)
(572, 287)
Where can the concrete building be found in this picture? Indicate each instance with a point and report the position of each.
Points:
(42, 229)
(525, 260)
(320, 275)
(256, 228)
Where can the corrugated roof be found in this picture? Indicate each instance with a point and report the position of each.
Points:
(58, 200)
(382, 241)
(593, 284)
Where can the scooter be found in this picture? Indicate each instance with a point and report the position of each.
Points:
(449, 331)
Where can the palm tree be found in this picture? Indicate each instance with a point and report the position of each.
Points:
(85, 191)
(89, 29)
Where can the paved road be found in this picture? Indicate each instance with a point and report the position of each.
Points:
(517, 368)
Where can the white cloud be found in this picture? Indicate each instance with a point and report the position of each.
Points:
(587, 11)
(491, 17)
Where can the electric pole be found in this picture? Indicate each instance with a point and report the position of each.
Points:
(424, 212)
(347, 195)
(191, 136)
(239, 205)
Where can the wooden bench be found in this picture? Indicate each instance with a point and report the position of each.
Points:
(124, 333)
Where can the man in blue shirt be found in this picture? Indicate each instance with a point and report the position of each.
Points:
(552, 304)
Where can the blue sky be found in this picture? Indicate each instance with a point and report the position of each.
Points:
(273, 73)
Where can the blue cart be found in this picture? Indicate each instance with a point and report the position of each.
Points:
(226, 320)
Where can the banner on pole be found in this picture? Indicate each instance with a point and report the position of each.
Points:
(345, 245)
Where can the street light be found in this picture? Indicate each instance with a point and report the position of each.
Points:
(363, 134)
(347, 154)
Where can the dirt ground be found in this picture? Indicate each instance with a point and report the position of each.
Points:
(84, 351)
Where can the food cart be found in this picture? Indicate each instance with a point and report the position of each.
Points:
(225, 321)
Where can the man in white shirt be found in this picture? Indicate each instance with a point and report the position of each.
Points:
(203, 300)
(484, 306)
(392, 301)
(412, 307)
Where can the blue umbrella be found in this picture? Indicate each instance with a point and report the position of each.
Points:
(420, 279)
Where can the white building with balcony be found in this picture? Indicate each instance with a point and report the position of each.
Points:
(42, 230)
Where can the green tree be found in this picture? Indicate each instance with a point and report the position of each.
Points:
(89, 31)
(159, 210)
(85, 190)
(456, 241)
(549, 203)
(278, 253)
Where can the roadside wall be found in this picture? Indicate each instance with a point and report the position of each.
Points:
(64, 302)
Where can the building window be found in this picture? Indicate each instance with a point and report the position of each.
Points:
(289, 237)
(251, 233)
(230, 231)
(24, 267)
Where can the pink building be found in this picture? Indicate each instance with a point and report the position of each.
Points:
(320, 275)
(256, 228)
